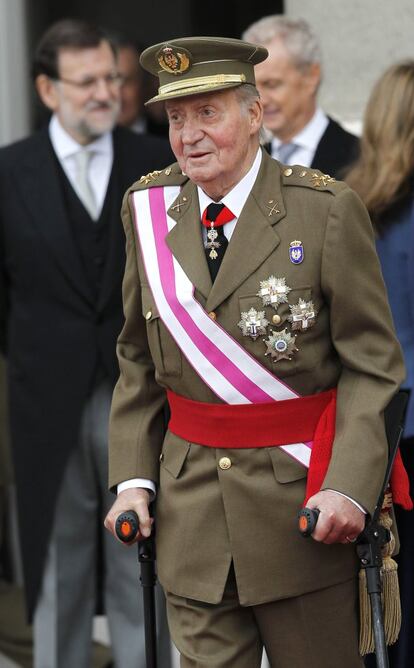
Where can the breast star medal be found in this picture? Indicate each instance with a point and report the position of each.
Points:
(274, 291)
(280, 345)
(253, 323)
(296, 252)
(302, 315)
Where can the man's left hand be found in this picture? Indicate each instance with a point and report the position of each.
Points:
(340, 521)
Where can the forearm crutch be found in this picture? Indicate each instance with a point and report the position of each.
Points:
(126, 527)
(370, 542)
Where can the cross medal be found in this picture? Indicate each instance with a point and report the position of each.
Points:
(212, 244)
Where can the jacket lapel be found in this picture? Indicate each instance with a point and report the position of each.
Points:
(185, 239)
(40, 190)
(254, 237)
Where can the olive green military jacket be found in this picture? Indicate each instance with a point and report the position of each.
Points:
(207, 516)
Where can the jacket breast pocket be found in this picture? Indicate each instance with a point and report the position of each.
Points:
(165, 353)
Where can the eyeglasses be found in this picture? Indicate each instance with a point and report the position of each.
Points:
(89, 85)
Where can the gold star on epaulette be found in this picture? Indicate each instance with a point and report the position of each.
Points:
(319, 180)
(152, 176)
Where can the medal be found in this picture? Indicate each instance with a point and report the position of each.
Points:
(302, 315)
(212, 244)
(273, 291)
(221, 215)
(280, 345)
(296, 252)
(253, 323)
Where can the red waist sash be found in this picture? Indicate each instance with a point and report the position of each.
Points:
(259, 425)
(247, 425)
(310, 418)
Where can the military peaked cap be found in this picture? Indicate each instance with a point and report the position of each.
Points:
(194, 65)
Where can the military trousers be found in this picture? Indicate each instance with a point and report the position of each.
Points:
(316, 630)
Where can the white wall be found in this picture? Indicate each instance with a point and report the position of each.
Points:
(360, 39)
(14, 75)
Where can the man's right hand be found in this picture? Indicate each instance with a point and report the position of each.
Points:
(135, 498)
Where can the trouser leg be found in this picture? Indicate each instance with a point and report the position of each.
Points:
(214, 636)
(316, 630)
(64, 613)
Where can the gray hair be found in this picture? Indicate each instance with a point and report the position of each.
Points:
(247, 94)
(296, 34)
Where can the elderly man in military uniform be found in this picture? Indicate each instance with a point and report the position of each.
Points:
(255, 306)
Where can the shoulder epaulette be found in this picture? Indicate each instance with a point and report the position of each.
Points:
(310, 178)
(170, 176)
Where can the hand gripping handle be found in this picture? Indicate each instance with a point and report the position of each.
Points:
(307, 521)
(127, 526)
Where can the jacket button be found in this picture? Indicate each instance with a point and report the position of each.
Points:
(276, 319)
(148, 315)
(161, 457)
(212, 315)
(288, 171)
(225, 463)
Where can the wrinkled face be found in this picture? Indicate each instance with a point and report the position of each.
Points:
(131, 93)
(214, 138)
(86, 95)
(288, 93)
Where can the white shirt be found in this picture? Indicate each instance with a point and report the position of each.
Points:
(235, 199)
(100, 165)
(307, 140)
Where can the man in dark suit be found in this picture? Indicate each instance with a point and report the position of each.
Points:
(288, 81)
(61, 266)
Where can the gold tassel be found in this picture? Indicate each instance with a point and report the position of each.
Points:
(390, 592)
(366, 635)
(390, 587)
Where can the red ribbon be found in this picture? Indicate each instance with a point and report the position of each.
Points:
(225, 216)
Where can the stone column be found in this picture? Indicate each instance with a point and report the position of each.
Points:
(14, 72)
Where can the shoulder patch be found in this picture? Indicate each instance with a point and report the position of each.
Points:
(310, 178)
(170, 176)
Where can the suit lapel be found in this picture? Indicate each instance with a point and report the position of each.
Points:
(254, 237)
(41, 192)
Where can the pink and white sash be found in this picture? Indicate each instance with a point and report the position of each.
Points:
(223, 364)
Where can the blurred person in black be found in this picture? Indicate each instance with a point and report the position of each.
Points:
(61, 266)
(299, 131)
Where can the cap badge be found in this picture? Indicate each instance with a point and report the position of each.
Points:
(273, 291)
(280, 345)
(296, 252)
(302, 315)
(174, 61)
(253, 323)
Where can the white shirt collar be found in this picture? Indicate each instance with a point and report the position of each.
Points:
(64, 145)
(236, 198)
(310, 136)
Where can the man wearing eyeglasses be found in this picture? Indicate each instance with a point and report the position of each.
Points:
(61, 266)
